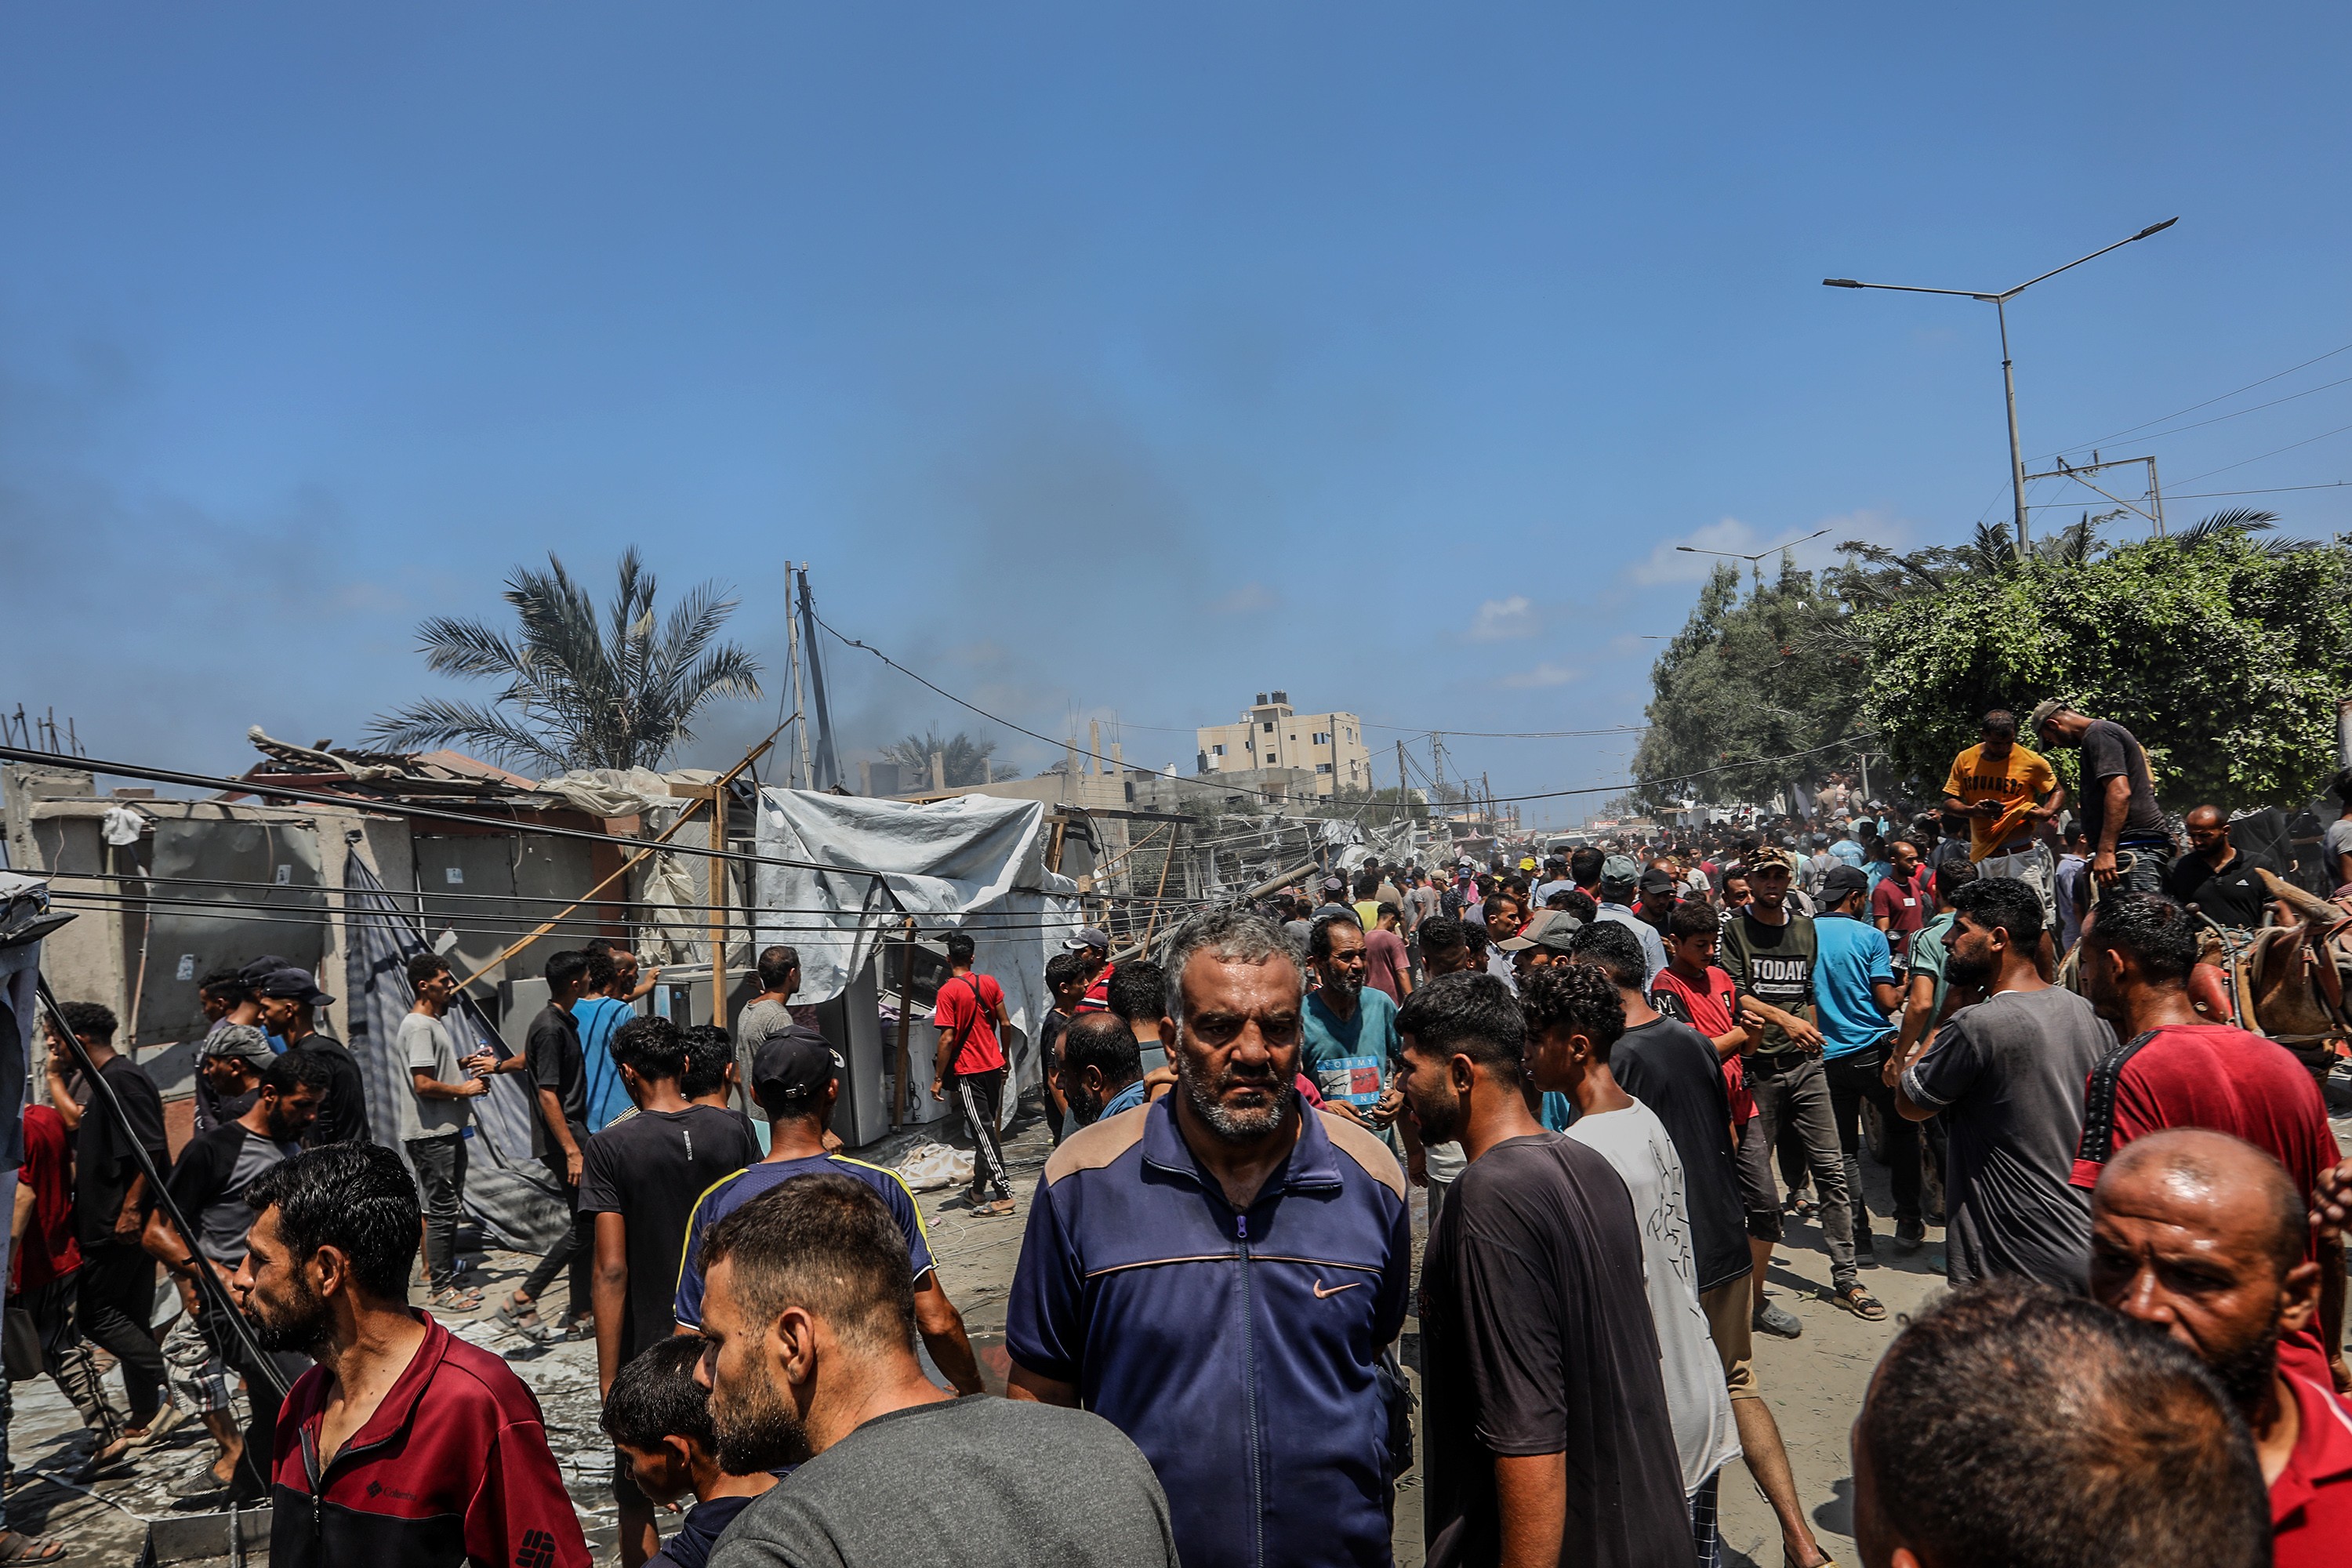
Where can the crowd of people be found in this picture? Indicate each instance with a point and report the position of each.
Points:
(1620, 1075)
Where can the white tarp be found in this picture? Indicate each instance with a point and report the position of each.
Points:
(975, 861)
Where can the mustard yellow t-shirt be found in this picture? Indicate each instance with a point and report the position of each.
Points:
(2017, 781)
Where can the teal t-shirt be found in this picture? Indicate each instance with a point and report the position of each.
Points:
(1351, 1059)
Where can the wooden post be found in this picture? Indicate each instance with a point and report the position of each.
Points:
(902, 1100)
(719, 907)
(1152, 923)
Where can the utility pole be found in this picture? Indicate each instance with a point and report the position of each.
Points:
(1400, 789)
(800, 706)
(2000, 302)
(2153, 512)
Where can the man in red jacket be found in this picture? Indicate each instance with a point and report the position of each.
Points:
(405, 1447)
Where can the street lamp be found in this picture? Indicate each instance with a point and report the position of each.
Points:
(1753, 561)
(2009, 378)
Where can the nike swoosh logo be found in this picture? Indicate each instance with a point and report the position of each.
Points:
(1320, 1292)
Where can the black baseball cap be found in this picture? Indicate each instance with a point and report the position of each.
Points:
(1842, 880)
(790, 1067)
(295, 984)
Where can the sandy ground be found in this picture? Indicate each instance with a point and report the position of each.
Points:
(1813, 1384)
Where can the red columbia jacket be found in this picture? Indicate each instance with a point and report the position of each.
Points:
(453, 1468)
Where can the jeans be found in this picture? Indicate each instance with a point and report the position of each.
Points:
(574, 1249)
(440, 1164)
(1793, 1091)
(115, 1298)
(2145, 873)
(2033, 866)
(1853, 1078)
(978, 1095)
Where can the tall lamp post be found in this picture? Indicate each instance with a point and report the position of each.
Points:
(1755, 569)
(2007, 375)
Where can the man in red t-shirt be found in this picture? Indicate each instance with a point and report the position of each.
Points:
(970, 1010)
(2201, 1236)
(1903, 898)
(2176, 1069)
(43, 1266)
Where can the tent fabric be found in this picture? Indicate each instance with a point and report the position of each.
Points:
(975, 862)
(506, 1188)
(20, 979)
(610, 791)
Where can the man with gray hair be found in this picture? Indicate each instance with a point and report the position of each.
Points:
(1228, 1265)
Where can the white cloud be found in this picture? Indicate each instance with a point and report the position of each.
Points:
(1498, 619)
(1545, 674)
(1248, 599)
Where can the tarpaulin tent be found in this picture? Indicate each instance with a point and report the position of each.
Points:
(506, 1187)
(974, 862)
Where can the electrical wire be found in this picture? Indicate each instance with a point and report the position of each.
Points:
(2290, 446)
(2133, 429)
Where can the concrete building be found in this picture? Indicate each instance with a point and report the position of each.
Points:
(1272, 734)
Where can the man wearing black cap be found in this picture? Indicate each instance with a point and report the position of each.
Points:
(289, 1001)
(795, 1079)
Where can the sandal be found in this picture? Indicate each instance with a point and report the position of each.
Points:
(523, 1319)
(15, 1546)
(997, 1210)
(448, 1299)
(1860, 1303)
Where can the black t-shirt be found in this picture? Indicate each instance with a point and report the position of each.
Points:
(649, 1167)
(1773, 963)
(553, 1057)
(342, 1109)
(104, 1165)
(1537, 1329)
(208, 1182)
(2233, 896)
(2110, 752)
(1672, 1069)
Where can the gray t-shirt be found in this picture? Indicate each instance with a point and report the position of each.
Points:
(2007, 1076)
(428, 1045)
(2339, 844)
(986, 1483)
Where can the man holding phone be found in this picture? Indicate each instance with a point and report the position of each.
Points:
(2008, 795)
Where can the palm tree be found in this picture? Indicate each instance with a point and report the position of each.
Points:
(579, 693)
(963, 760)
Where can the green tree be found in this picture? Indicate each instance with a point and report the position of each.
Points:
(1769, 675)
(965, 759)
(579, 692)
(2223, 652)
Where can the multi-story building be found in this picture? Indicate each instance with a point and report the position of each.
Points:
(1271, 734)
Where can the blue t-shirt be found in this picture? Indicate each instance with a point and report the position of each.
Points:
(1127, 1099)
(725, 1196)
(1847, 850)
(1351, 1059)
(1848, 957)
(608, 1096)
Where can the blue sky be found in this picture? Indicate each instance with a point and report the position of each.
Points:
(1103, 361)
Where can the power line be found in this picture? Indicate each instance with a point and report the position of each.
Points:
(2290, 446)
(2193, 407)
(2241, 413)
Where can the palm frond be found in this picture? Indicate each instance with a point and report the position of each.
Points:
(438, 722)
(2239, 520)
(620, 689)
